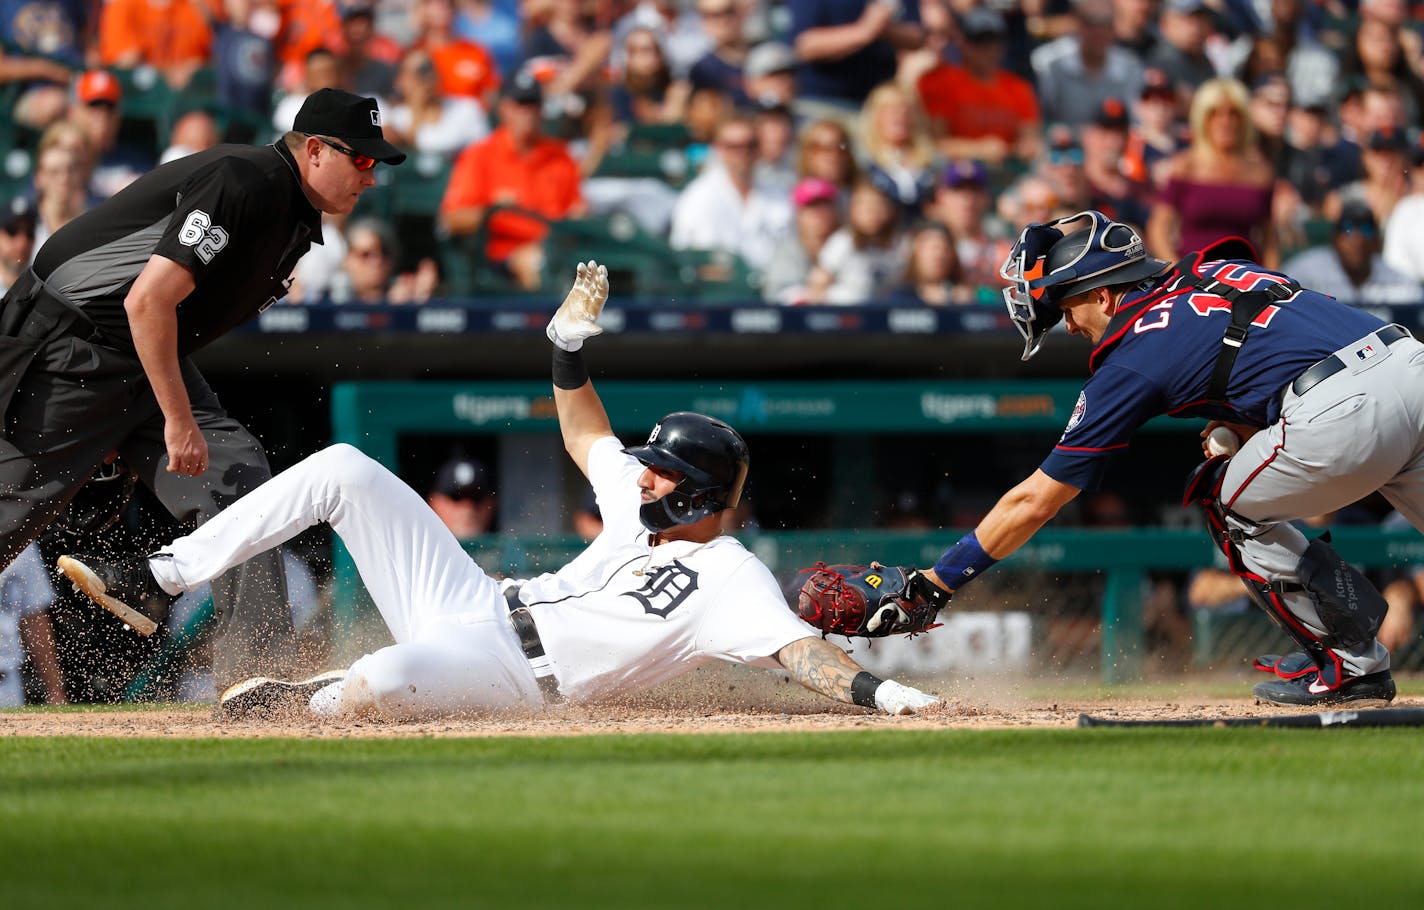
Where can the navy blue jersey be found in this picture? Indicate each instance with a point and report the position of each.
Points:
(1158, 352)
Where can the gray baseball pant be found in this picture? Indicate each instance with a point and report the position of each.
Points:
(1355, 433)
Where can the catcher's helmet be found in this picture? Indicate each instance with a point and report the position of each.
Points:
(1047, 266)
(713, 457)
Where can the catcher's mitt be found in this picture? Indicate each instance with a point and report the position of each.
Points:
(869, 601)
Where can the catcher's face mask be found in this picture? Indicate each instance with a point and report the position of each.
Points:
(1054, 261)
(1023, 269)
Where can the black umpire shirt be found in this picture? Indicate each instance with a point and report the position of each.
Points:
(235, 216)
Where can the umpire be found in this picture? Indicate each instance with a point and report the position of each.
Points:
(95, 341)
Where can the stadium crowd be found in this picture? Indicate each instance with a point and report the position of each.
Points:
(807, 151)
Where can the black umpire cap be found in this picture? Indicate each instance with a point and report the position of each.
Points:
(354, 120)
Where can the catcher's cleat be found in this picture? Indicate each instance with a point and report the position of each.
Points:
(1286, 666)
(121, 586)
(1370, 690)
(262, 696)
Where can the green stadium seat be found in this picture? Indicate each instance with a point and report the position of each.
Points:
(656, 136)
(464, 269)
(145, 95)
(668, 165)
(1318, 231)
(412, 202)
(718, 277)
(16, 170)
(639, 264)
(418, 185)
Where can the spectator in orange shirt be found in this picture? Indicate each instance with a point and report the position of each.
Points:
(516, 166)
(307, 25)
(464, 67)
(172, 36)
(980, 110)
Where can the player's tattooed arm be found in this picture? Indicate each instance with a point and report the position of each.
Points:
(820, 666)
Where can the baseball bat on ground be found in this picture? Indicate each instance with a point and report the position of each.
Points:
(1382, 717)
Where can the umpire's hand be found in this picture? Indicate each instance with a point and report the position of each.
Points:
(187, 449)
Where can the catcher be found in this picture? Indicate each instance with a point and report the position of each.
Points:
(1328, 400)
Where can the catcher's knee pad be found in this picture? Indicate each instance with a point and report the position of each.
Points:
(1204, 489)
(1350, 607)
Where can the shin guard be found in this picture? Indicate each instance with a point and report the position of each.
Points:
(1204, 489)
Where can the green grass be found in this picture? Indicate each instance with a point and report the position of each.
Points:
(876, 819)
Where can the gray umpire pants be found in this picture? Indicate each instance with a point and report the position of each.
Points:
(77, 402)
(1354, 433)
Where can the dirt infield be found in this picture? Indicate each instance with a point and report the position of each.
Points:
(716, 702)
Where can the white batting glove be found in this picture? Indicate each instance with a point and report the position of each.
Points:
(577, 317)
(894, 698)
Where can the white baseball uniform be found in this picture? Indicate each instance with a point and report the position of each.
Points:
(622, 616)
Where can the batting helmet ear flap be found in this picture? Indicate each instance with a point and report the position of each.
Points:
(711, 456)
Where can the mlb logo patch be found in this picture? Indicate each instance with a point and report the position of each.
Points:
(1366, 352)
(375, 117)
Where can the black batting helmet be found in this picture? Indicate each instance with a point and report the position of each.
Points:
(711, 455)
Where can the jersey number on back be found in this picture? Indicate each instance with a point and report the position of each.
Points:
(199, 232)
(1204, 304)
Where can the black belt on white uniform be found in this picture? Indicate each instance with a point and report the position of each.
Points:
(533, 648)
(1334, 363)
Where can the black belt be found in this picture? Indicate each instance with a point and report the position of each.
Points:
(528, 634)
(1334, 364)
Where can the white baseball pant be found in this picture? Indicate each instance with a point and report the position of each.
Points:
(455, 651)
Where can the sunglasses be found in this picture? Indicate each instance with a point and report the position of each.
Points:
(361, 162)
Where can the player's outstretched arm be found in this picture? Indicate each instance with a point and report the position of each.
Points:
(582, 419)
(1013, 521)
(822, 667)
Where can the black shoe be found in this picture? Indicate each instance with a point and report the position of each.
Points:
(1286, 666)
(264, 697)
(120, 586)
(1370, 690)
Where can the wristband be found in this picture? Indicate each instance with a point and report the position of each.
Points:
(963, 562)
(570, 372)
(862, 689)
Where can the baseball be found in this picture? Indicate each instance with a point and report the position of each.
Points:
(1222, 441)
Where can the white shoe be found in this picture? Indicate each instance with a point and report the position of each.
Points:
(326, 701)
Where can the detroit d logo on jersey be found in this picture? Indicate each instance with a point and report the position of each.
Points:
(666, 589)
